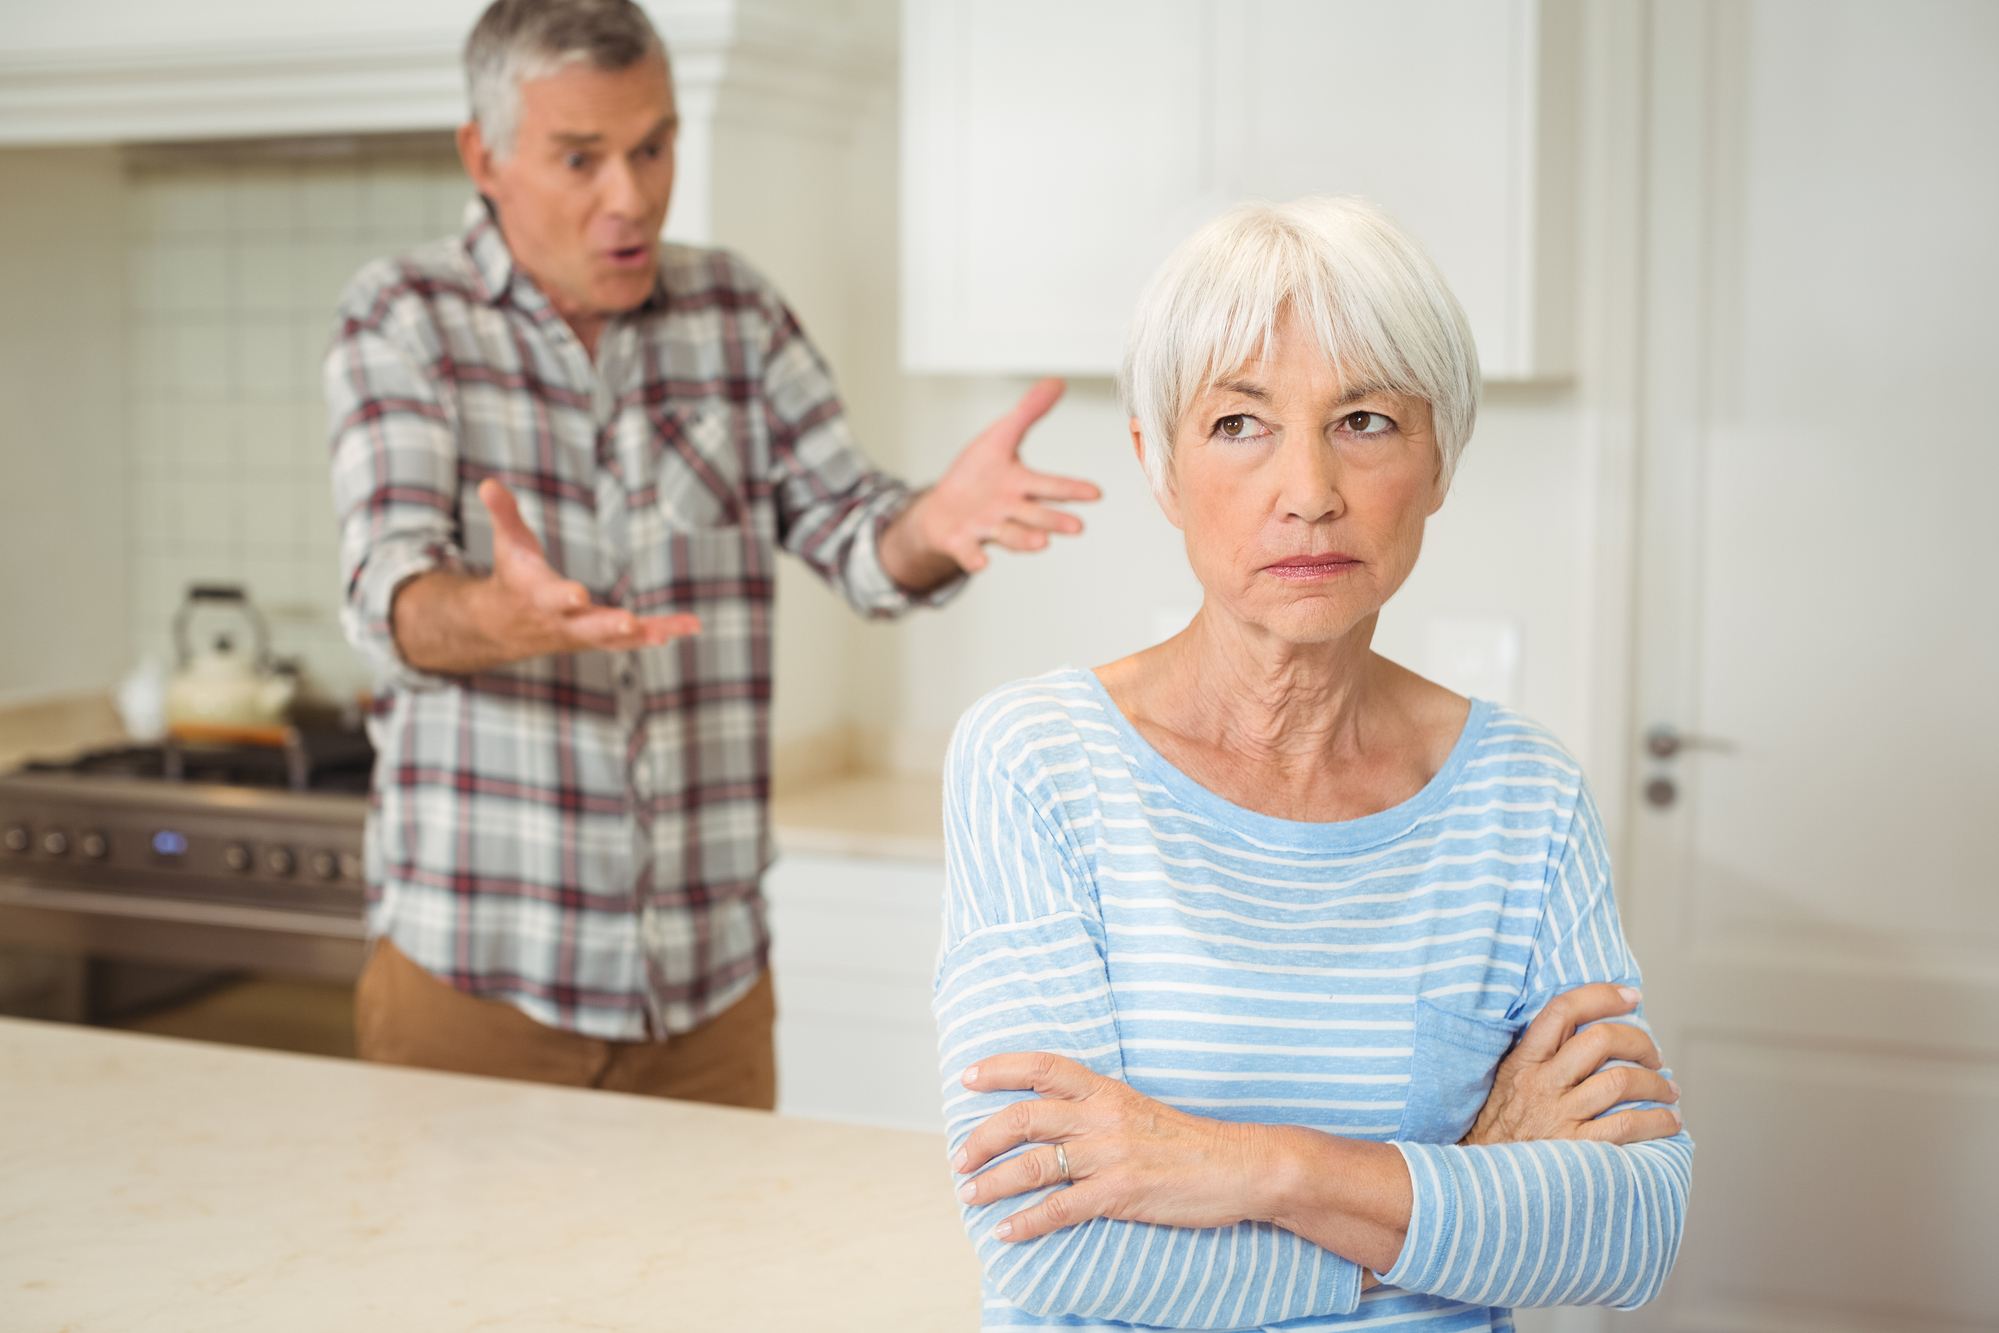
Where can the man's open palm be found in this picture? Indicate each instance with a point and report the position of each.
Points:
(530, 610)
(989, 495)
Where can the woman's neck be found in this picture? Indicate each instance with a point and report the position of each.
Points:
(1316, 732)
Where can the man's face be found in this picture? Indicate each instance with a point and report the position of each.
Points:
(583, 196)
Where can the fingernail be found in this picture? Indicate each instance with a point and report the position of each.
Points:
(1678, 1119)
(1003, 1230)
(968, 1191)
(971, 1072)
(958, 1162)
(1631, 996)
(1674, 1084)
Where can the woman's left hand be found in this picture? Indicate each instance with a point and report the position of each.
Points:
(1130, 1157)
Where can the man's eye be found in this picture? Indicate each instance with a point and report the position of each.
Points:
(1366, 423)
(651, 152)
(575, 161)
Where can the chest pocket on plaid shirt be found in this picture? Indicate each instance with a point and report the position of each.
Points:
(1450, 1073)
(697, 469)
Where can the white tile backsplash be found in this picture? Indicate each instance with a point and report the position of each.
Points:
(236, 267)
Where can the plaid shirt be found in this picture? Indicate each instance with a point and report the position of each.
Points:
(583, 836)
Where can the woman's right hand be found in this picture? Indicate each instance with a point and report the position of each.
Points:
(1552, 1084)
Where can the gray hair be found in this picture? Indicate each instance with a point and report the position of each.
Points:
(518, 40)
(1379, 308)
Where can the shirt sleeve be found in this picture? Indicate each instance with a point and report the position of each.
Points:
(395, 479)
(1023, 969)
(832, 504)
(1559, 1222)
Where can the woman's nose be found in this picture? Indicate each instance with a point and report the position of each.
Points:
(1308, 472)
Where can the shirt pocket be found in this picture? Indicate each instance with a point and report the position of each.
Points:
(697, 468)
(1450, 1072)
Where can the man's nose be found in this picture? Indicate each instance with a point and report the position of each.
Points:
(623, 196)
(1308, 477)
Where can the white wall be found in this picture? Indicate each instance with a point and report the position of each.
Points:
(62, 481)
(237, 263)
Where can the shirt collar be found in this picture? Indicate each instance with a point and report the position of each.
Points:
(494, 264)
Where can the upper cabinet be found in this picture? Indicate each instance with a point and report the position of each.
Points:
(143, 71)
(1055, 153)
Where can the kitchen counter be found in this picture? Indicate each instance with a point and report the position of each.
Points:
(866, 815)
(166, 1185)
(57, 728)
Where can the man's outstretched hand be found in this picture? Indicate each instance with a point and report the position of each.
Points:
(455, 624)
(987, 495)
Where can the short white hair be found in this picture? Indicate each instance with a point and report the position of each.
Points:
(1380, 310)
(518, 40)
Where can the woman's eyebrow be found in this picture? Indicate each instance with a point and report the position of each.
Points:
(1363, 390)
(1247, 388)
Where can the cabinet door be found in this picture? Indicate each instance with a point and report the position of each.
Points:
(1055, 153)
(853, 946)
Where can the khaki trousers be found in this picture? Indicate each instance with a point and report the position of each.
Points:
(405, 1016)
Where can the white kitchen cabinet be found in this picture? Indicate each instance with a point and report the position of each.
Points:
(137, 71)
(1055, 153)
(853, 945)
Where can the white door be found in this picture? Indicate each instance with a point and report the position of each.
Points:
(1817, 906)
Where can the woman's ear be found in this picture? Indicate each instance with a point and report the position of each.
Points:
(1168, 501)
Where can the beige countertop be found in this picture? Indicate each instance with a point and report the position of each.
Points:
(898, 817)
(148, 1183)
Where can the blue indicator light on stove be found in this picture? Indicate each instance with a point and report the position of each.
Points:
(169, 843)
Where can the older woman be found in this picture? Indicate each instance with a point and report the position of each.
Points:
(1240, 927)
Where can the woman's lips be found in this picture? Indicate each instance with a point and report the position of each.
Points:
(1308, 568)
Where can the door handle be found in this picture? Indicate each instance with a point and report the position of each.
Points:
(1663, 742)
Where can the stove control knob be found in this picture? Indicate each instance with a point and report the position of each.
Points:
(237, 857)
(280, 860)
(18, 838)
(95, 845)
(325, 865)
(55, 842)
(351, 867)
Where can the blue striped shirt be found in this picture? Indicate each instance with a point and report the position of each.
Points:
(1362, 978)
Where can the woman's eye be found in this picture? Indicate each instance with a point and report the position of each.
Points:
(1238, 426)
(1366, 423)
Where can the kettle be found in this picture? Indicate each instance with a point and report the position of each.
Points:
(222, 686)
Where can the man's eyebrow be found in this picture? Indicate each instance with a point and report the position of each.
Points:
(666, 123)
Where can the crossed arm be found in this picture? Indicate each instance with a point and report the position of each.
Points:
(1178, 1220)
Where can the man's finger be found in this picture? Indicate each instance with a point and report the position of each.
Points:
(553, 594)
(1632, 1127)
(1044, 486)
(661, 629)
(614, 628)
(509, 528)
(1570, 1010)
(1005, 434)
(1048, 520)
(1019, 537)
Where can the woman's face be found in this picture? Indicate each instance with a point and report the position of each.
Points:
(1302, 498)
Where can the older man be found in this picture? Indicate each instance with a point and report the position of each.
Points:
(564, 456)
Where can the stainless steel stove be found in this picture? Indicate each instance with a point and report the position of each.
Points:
(203, 856)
